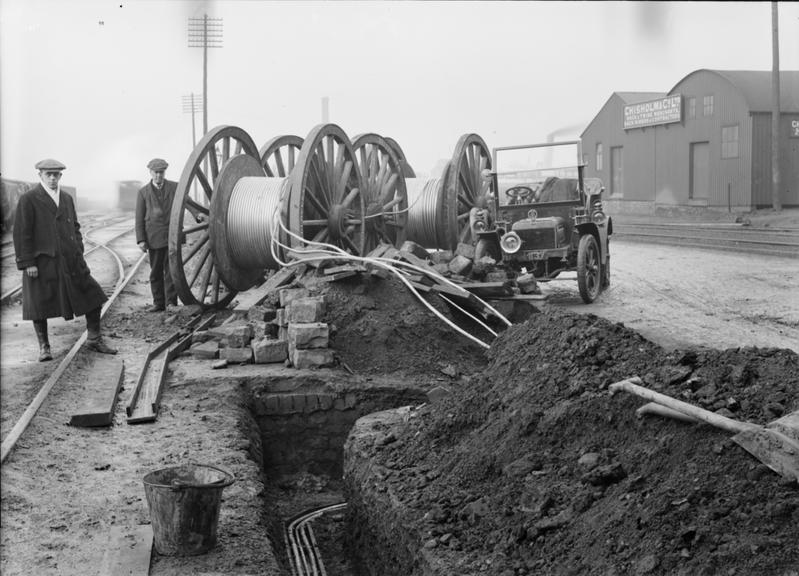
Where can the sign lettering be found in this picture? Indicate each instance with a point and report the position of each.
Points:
(661, 111)
(794, 129)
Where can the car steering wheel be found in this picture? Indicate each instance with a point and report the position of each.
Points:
(519, 193)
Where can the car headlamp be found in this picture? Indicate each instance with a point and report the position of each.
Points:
(511, 243)
(599, 217)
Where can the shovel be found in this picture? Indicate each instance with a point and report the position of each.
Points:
(776, 445)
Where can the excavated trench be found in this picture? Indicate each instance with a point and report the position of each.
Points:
(302, 422)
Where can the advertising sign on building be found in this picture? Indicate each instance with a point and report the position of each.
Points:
(794, 133)
(661, 111)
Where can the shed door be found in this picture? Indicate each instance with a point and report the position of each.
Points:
(700, 170)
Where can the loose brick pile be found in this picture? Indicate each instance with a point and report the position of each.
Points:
(293, 333)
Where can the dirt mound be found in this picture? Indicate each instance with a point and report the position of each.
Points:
(532, 468)
(379, 327)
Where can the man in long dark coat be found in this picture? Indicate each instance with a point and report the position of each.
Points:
(56, 281)
(153, 208)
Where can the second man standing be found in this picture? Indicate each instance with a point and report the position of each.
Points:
(153, 208)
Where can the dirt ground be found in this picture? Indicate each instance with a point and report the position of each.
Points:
(515, 433)
(531, 467)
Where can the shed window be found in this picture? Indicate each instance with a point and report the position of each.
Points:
(599, 156)
(708, 102)
(729, 141)
(691, 107)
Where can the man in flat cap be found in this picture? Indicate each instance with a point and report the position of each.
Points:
(56, 280)
(153, 208)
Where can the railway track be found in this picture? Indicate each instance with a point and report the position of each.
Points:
(304, 555)
(102, 237)
(109, 232)
(730, 237)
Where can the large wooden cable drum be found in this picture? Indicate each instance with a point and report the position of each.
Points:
(192, 266)
(439, 207)
(232, 197)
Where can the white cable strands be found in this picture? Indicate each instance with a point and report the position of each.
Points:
(329, 252)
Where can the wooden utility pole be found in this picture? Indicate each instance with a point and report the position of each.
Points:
(205, 33)
(776, 181)
(192, 105)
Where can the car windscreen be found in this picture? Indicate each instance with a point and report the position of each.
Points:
(538, 173)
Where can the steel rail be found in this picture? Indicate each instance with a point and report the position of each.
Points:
(16, 432)
(10, 293)
(773, 243)
(302, 549)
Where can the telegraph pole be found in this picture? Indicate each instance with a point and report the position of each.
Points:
(776, 181)
(192, 104)
(205, 33)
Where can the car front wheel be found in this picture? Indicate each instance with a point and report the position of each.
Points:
(588, 268)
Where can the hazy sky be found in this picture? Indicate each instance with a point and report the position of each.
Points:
(99, 84)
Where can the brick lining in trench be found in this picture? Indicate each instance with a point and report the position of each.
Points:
(305, 431)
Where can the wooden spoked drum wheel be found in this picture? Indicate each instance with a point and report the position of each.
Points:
(191, 264)
(407, 171)
(383, 190)
(325, 201)
(465, 188)
(279, 155)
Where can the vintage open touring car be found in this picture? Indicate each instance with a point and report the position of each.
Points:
(544, 218)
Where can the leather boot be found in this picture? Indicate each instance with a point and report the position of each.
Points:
(44, 343)
(94, 340)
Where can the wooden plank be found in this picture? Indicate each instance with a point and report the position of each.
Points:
(344, 268)
(149, 389)
(339, 276)
(127, 551)
(104, 378)
(379, 250)
(254, 296)
(421, 287)
(484, 289)
(415, 260)
(140, 381)
(151, 378)
(520, 297)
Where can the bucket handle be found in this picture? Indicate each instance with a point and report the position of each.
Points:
(177, 485)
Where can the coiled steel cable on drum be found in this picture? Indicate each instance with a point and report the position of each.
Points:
(424, 210)
(253, 205)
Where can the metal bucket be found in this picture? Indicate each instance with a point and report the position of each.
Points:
(184, 507)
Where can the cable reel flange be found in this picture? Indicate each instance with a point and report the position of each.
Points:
(194, 272)
(325, 202)
(383, 189)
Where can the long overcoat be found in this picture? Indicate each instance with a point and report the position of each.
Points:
(49, 237)
(153, 208)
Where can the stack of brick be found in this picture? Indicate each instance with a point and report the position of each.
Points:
(307, 335)
(293, 333)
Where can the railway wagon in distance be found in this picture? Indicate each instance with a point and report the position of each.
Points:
(11, 190)
(127, 192)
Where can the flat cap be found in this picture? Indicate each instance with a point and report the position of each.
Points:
(50, 165)
(157, 164)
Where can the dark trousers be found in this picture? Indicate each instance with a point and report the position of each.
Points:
(160, 279)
